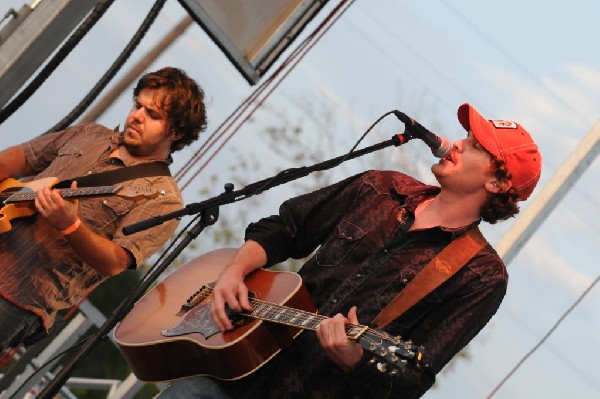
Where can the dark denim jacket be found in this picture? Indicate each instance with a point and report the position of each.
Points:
(365, 257)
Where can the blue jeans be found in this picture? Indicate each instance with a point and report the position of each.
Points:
(194, 388)
(16, 324)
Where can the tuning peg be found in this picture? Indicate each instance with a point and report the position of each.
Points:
(382, 367)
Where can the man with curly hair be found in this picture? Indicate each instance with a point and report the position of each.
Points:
(67, 247)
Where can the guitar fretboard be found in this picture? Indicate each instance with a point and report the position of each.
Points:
(275, 313)
(293, 317)
(65, 193)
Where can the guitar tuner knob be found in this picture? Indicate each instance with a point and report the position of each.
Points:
(382, 367)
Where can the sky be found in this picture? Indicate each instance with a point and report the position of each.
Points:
(534, 62)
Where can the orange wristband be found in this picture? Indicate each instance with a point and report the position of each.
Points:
(71, 228)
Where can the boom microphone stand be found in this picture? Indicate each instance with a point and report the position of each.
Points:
(209, 212)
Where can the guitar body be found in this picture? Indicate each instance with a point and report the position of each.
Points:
(17, 210)
(227, 356)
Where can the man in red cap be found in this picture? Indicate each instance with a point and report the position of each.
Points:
(373, 234)
(508, 142)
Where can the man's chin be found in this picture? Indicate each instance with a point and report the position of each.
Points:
(132, 149)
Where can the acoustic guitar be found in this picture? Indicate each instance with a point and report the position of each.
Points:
(169, 333)
(16, 198)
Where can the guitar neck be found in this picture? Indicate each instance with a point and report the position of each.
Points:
(393, 350)
(296, 318)
(66, 193)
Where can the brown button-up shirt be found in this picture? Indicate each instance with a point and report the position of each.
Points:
(39, 271)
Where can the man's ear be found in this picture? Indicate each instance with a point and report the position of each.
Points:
(176, 136)
(492, 186)
(495, 186)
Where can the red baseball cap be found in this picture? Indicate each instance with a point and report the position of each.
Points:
(509, 142)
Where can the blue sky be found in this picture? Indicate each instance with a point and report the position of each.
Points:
(534, 62)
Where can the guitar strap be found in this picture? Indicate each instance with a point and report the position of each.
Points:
(108, 178)
(444, 265)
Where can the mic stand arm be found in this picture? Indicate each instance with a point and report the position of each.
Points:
(258, 187)
(207, 218)
(209, 210)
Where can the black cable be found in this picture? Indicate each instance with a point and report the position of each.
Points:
(112, 70)
(49, 361)
(60, 55)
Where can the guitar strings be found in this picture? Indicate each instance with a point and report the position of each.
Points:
(65, 193)
(269, 311)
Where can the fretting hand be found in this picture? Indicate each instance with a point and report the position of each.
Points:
(332, 336)
(59, 213)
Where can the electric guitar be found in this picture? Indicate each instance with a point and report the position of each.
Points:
(169, 333)
(16, 198)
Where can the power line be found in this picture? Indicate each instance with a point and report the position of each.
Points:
(255, 98)
(398, 38)
(545, 337)
(514, 60)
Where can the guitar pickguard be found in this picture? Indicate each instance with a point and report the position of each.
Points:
(196, 320)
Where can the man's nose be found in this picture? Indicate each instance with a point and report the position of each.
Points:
(458, 144)
(138, 113)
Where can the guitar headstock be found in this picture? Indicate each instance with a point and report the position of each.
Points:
(393, 350)
(136, 193)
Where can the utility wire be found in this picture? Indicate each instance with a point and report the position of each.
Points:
(393, 32)
(56, 60)
(267, 87)
(514, 60)
(112, 70)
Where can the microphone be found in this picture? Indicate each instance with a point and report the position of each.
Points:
(440, 146)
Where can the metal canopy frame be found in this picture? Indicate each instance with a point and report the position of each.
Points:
(253, 33)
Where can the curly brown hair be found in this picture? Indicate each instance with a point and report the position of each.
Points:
(502, 205)
(182, 101)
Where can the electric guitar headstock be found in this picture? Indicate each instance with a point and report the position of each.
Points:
(136, 193)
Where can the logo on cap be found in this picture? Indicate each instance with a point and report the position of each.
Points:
(504, 124)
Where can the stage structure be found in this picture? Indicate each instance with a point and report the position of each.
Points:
(253, 33)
